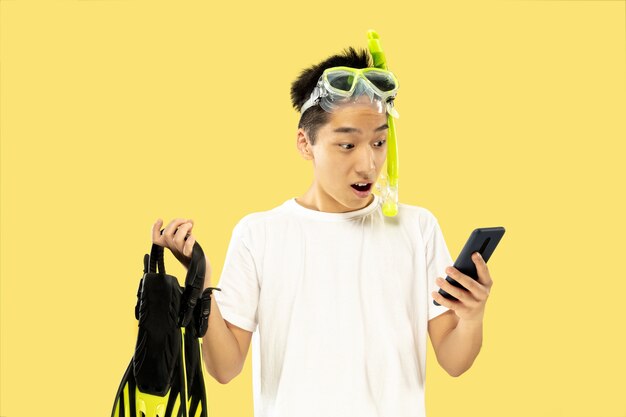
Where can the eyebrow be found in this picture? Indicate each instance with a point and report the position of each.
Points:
(346, 129)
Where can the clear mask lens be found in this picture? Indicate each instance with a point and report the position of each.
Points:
(342, 82)
(381, 80)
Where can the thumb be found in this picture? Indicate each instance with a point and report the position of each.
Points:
(156, 231)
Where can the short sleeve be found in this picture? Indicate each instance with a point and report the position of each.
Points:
(437, 260)
(239, 296)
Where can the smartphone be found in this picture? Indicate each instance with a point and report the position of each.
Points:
(482, 240)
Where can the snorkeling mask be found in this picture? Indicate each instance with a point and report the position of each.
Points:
(340, 85)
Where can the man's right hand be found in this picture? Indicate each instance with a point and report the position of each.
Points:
(177, 237)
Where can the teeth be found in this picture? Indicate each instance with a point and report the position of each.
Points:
(361, 184)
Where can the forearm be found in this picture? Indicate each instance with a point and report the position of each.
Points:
(459, 348)
(220, 349)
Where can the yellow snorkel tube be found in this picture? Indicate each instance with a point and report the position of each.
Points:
(390, 186)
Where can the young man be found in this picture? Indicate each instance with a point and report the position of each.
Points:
(338, 296)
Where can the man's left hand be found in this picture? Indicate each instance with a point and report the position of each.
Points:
(470, 306)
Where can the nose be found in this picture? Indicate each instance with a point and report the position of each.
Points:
(366, 164)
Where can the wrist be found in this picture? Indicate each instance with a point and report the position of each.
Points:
(470, 324)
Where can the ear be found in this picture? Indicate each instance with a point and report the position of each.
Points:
(303, 144)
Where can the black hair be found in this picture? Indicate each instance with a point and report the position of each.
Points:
(314, 117)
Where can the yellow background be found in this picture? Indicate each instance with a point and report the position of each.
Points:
(115, 113)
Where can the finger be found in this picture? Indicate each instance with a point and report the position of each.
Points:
(189, 231)
(481, 267)
(188, 249)
(169, 232)
(452, 305)
(466, 281)
(458, 293)
(181, 234)
(156, 232)
(190, 223)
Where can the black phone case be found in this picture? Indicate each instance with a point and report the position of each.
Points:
(483, 240)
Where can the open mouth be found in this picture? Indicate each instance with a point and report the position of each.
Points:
(363, 186)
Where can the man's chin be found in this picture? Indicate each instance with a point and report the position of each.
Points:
(357, 202)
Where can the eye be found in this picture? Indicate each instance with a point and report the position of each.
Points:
(381, 142)
(346, 144)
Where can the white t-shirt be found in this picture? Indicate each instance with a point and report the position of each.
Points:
(342, 303)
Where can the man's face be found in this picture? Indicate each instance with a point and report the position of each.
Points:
(351, 148)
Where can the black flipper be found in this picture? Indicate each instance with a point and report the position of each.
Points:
(155, 380)
(166, 371)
